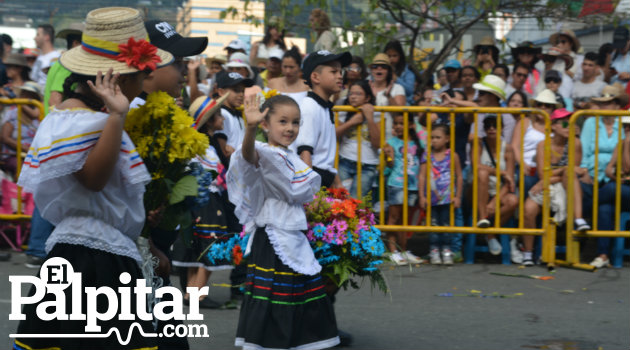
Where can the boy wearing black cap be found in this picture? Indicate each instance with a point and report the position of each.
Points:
(232, 84)
(171, 78)
(317, 141)
(553, 81)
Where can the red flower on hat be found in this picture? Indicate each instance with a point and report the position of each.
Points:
(140, 54)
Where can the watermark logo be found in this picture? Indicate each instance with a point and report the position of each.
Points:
(57, 274)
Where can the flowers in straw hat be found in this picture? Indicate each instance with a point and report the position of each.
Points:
(114, 37)
(492, 84)
(203, 108)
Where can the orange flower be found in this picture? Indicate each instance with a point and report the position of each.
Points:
(347, 208)
(237, 252)
(339, 193)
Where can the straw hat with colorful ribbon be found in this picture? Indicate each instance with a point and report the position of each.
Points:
(492, 84)
(114, 37)
(203, 108)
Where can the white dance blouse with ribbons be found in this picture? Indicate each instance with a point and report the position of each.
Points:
(108, 220)
(272, 195)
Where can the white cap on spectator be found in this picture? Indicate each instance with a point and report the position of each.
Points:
(277, 53)
(236, 44)
(239, 59)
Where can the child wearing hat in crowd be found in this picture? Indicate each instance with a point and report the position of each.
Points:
(285, 304)
(90, 182)
(558, 181)
(317, 142)
(214, 220)
(239, 63)
(232, 85)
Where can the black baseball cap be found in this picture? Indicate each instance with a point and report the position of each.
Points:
(620, 37)
(322, 57)
(553, 74)
(164, 36)
(229, 79)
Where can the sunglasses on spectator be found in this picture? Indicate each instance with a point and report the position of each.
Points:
(483, 93)
(353, 69)
(450, 70)
(563, 122)
(521, 75)
(546, 105)
(552, 80)
(490, 124)
(383, 66)
(562, 41)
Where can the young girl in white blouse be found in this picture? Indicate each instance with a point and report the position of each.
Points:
(285, 304)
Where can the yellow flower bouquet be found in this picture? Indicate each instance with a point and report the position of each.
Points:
(165, 139)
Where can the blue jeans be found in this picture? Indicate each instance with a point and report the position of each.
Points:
(440, 215)
(40, 231)
(606, 212)
(348, 170)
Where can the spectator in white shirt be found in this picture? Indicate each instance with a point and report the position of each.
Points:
(44, 41)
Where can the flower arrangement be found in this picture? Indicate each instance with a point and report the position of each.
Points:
(229, 251)
(344, 239)
(165, 139)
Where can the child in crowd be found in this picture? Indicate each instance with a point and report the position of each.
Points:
(317, 143)
(553, 81)
(214, 221)
(558, 182)
(285, 304)
(487, 180)
(440, 182)
(395, 184)
(89, 182)
(233, 86)
(360, 96)
(29, 123)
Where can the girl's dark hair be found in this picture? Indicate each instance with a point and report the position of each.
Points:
(76, 80)
(505, 68)
(277, 100)
(445, 128)
(295, 54)
(412, 134)
(523, 96)
(603, 52)
(24, 73)
(474, 69)
(451, 92)
(365, 86)
(267, 38)
(402, 62)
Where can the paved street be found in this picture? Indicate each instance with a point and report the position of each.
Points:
(575, 310)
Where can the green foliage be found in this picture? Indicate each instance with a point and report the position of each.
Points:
(184, 187)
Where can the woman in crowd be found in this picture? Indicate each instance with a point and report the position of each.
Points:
(354, 72)
(290, 83)
(386, 91)
(402, 74)
(470, 76)
(568, 44)
(273, 39)
(607, 196)
(320, 24)
(18, 74)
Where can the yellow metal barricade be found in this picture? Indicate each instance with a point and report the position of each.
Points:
(19, 215)
(547, 231)
(573, 247)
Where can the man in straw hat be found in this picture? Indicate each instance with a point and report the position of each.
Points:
(568, 44)
(486, 56)
(90, 183)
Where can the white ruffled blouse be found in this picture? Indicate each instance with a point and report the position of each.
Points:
(108, 220)
(272, 195)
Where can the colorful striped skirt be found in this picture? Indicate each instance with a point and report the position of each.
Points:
(283, 309)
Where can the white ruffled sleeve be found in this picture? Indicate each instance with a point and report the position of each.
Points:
(245, 190)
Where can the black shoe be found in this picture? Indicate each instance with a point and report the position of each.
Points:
(345, 339)
(5, 256)
(207, 303)
(33, 262)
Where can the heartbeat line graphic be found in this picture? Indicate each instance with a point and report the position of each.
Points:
(93, 335)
